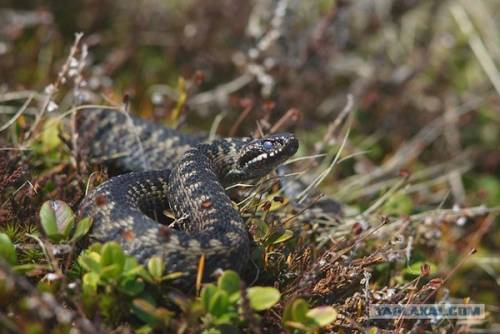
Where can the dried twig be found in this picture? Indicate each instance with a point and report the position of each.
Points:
(248, 107)
(290, 117)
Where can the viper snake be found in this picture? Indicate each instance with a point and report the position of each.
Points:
(166, 169)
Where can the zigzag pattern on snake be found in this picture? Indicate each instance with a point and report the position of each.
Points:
(170, 169)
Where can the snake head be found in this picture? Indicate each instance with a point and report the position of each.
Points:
(258, 157)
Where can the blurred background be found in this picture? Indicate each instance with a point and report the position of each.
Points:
(418, 82)
(406, 62)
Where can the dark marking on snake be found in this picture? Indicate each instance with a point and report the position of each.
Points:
(169, 169)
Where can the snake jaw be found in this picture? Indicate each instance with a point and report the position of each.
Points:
(260, 156)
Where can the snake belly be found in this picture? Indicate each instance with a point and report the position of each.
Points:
(173, 170)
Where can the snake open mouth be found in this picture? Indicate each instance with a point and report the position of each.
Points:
(270, 150)
(251, 157)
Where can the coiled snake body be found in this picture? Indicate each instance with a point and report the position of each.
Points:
(180, 171)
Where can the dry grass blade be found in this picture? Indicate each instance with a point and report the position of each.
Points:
(476, 44)
(407, 152)
(328, 170)
(52, 89)
(18, 113)
(384, 198)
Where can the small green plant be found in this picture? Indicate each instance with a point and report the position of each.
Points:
(270, 234)
(223, 302)
(58, 222)
(154, 316)
(107, 266)
(108, 271)
(115, 283)
(300, 317)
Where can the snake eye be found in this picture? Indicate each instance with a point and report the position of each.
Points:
(268, 145)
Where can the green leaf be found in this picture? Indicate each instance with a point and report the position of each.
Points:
(7, 249)
(48, 220)
(57, 220)
(415, 268)
(322, 315)
(111, 272)
(145, 329)
(50, 135)
(286, 235)
(145, 311)
(175, 275)
(156, 266)
(131, 267)
(112, 254)
(229, 281)
(263, 298)
(65, 218)
(299, 310)
(219, 303)
(90, 282)
(226, 318)
(95, 247)
(181, 101)
(206, 295)
(296, 325)
(262, 229)
(90, 261)
(145, 308)
(287, 313)
(82, 228)
(131, 286)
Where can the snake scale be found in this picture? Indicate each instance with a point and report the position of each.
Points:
(170, 169)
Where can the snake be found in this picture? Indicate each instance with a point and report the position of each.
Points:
(161, 168)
